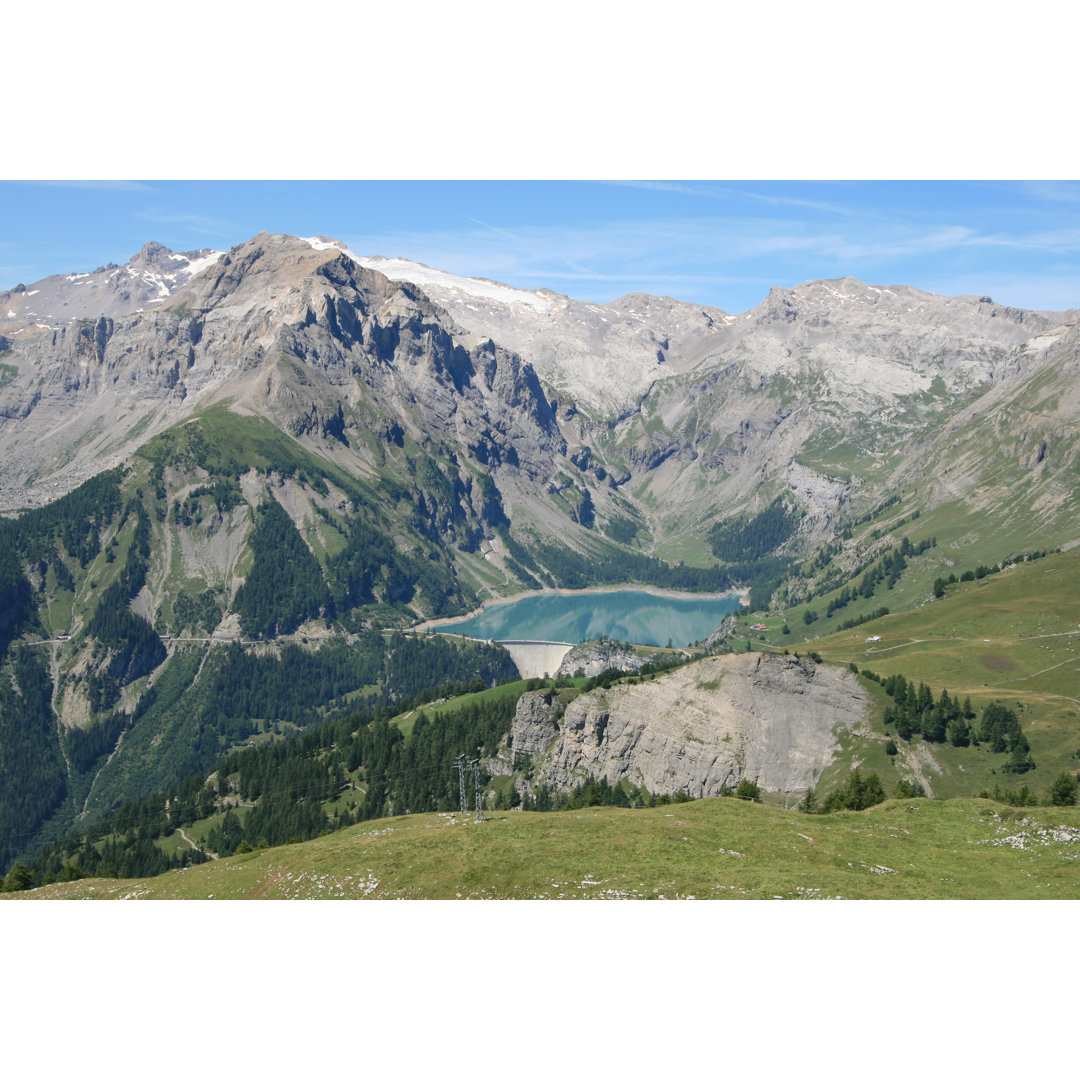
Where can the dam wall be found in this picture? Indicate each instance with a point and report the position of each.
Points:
(536, 659)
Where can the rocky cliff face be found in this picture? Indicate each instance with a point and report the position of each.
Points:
(592, 658)
(772, 719)
(344, 360)
(659, 417)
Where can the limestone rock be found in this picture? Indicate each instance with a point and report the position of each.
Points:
(722, 632)
(772, 719)
(535, 723)
(594, 657)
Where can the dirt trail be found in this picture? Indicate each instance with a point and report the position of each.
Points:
(202, 663)
(261, 892)
(912, 641)
(184, 835)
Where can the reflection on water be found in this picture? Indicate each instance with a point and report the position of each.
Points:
(625, 615)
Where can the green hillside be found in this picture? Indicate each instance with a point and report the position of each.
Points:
(711, 849)
(1010, 636)
(1014, 632)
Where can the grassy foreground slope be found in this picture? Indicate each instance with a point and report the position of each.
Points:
(709, 849)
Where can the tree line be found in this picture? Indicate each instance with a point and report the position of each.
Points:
(914, 711)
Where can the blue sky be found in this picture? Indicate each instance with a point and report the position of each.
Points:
(566, 95)
(719, 243)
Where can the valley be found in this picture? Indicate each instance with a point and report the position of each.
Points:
(232, 494)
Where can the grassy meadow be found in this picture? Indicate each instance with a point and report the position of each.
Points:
(708, 849)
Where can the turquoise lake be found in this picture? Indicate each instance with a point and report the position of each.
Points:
(625, 615)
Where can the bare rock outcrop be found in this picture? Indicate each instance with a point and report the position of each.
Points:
(721, 633)
(772, 719)
(535, 723)
(592, 658)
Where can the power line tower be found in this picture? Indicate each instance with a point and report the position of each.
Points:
(477, 801)
(459, 764)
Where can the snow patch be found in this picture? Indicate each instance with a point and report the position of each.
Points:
(197, 266)
(419, 274)
(321, 245)
(425, 276)
(1036, 344)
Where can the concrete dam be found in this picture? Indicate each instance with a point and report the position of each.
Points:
(536, 659)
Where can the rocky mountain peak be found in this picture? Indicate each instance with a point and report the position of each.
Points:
(148, 279)
(265, 262)
(155, 256)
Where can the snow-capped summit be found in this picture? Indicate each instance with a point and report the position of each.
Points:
(149, 278)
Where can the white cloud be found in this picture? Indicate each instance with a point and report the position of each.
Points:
(893, 243)
(96, 185)
(691, 248)
(1053, 190)
(1060, 240)
(199, 223)
(714, 191)
(667, 186)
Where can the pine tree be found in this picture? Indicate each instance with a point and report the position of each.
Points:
(934, 725)
(19, 878)
(958, 732)
(874, 792)
(748, 789)
(1064, 790)
(924, 698)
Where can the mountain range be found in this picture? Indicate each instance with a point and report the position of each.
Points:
(666, 416)
(288, 444)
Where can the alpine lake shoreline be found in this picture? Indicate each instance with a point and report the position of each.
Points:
(444, 625)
